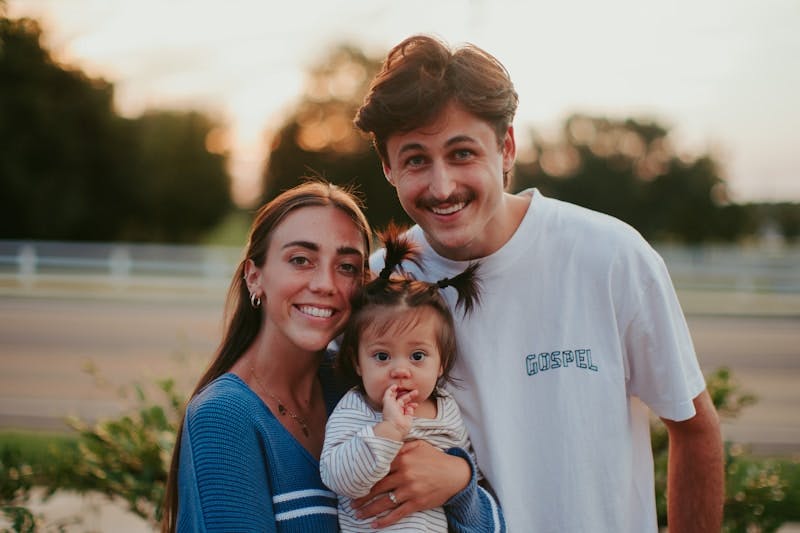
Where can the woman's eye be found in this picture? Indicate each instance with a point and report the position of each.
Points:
(418, 356)
(350, 268)
(381, 356)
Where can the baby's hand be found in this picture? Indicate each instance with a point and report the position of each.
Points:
(398, 410)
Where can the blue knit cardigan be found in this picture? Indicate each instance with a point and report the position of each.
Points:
(240, 470)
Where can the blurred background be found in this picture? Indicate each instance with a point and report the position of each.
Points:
(138, 138)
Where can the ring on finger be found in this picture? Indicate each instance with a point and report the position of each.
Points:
(392, 497)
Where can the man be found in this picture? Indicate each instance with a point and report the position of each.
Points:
(578, 330)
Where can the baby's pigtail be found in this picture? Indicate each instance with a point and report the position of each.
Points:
(468, 286)
(398, 249)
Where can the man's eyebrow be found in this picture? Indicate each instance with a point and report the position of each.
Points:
(410, 147)
(417, 146)
(459, 139)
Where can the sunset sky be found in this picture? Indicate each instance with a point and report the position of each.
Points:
(724, 75)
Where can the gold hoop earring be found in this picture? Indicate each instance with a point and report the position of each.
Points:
(255, 300)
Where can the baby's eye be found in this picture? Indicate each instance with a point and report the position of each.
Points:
(418, 356)
(381, 356)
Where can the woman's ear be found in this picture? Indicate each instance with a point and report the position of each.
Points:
(252, 275)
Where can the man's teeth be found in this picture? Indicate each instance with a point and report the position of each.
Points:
(316, 311)
(448, 210)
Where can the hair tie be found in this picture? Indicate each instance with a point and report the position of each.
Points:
(386, 272)
(442, 283)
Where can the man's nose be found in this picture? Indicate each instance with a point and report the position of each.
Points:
(442, 185)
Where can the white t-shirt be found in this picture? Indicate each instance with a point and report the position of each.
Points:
(577, 332)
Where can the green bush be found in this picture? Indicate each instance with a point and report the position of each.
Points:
(760, 494)
(126, 457)
(129, 457)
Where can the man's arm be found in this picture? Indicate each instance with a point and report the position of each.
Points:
(695, 478)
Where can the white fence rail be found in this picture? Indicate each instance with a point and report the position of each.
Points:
(116, 265)
(120, 265)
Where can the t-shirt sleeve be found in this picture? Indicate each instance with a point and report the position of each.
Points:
(662, 367)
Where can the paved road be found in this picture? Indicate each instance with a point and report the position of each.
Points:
(46, 342)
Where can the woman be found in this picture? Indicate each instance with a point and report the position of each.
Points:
(247, 455)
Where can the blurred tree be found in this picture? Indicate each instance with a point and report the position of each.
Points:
(60, 142)
(72, 169)
(318, 138)
(630, 170)
(183, 188)
(626, 168)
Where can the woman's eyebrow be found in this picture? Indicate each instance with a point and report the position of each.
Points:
(302, 244)
(314, 247)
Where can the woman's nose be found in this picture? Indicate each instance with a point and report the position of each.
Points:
(322, 281)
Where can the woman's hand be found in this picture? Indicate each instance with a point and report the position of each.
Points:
(421, 477)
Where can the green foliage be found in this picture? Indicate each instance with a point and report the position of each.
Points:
(15, 484)
(129, 457)
(30, 459)
(760, 495)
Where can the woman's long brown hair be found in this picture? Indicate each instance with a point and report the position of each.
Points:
(243, 322)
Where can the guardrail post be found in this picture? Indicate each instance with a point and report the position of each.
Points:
(26, 266)
(120, 264)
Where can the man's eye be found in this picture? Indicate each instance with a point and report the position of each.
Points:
(462, 154)
(299, 260)
(418, 356)
(415, 161)
(381, 356)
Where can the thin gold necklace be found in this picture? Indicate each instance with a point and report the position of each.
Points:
(282, 409)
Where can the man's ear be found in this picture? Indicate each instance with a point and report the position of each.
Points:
(509, 150)
(387, 172)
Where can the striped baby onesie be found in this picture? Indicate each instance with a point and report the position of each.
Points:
(354, 458)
